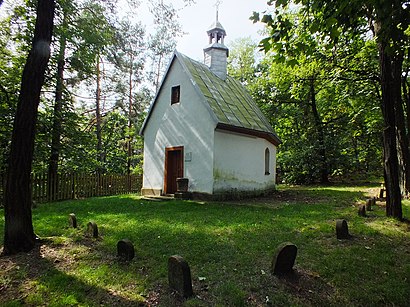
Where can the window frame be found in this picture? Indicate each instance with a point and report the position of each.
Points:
(267, 161)
(175, 94)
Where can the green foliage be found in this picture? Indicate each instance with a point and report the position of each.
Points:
(93, 35)
(242, 60)
(320, 87)
(14, 29)
(84, 30)
(163, 41)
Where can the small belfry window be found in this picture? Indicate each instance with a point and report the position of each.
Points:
(267, 156)
(175, 94)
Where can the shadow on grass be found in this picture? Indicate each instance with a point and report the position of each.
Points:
(37, 280)
(231, 245)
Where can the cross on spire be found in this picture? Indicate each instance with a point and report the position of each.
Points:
(217, 4)
(216, 53)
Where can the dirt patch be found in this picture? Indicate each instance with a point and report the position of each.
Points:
(278, 198)
(309, 287)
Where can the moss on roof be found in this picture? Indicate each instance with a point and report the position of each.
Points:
(228, 99)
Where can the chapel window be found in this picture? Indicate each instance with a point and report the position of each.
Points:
(175, 94)
(267, 158)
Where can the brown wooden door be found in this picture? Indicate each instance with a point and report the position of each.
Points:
(174, 168)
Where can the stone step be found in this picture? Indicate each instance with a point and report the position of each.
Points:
(158, 198)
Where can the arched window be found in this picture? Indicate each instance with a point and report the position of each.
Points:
(267, 158)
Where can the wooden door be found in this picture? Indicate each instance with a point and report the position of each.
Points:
(174, 168)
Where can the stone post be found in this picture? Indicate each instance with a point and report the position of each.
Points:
(284, 258)
(342, 231)
(179, 276)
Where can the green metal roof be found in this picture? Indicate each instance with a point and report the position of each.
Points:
(229, 100)
(232, 107)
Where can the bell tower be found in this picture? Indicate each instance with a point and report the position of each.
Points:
(216, 53)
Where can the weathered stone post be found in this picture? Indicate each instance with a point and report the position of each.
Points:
(125, 250)
(369, 203)
(72, 220)
(92, 229)
(284, 258)
(362, 210)
(342, 231)
(179, 276)
(381, 194)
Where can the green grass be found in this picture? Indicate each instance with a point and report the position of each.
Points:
(229, 247)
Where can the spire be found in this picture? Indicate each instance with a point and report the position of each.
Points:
(217, 4)
(216, 53)
(216, 31)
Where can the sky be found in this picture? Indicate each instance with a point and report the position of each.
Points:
(233, 15)
(199, 16)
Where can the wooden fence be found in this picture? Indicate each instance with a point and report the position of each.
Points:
(75, 186)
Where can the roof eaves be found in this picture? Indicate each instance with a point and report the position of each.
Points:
(269, 136)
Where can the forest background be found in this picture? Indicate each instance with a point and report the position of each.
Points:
(323, 102)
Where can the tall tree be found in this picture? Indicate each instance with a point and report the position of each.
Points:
(388, 20)
(128, 57)
(66, 8)
(97, 36)
(312, 67)
(163, 42)
(242, 60)
(19, 233)
(10, 78)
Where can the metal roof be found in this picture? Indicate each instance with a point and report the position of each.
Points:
(232, 106)
(216, 26)
(228, 99)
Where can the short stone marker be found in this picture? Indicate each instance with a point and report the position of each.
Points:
(92, 229)
(369, 203)
(125, 250)
(381, 194)
(72, 220)
(362, 210)
(284, 258)
(179, 276)
(342, 231)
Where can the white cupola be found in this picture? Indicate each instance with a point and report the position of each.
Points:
(216, 53)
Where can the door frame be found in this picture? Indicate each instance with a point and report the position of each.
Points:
(167, 150)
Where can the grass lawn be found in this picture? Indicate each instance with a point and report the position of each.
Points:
(228, 245)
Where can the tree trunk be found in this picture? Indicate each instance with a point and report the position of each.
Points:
(57, 118)
(391, 165)
(19, 233)
(406, 97)
(402, 135)
(158, 73)
(100, 154)
(130, 135)
(324, 173)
